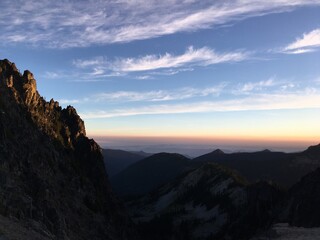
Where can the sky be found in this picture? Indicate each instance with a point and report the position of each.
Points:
(207, 73)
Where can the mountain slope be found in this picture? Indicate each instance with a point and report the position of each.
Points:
(210, 202)
(117, 160)
(52, 177)
(149, 173)
(304, 199)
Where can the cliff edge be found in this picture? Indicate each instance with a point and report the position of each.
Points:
(52, 178)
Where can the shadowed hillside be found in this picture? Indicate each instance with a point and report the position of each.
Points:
(117, 160)
(149, 173)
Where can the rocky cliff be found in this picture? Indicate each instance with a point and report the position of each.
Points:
(52, 178)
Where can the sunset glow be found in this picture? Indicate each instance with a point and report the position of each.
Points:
(220, 71)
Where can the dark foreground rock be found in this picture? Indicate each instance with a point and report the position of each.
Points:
(304, 200)
(52, 177)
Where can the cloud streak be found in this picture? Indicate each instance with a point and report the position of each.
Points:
(309, 42)
(192, 57)
(158, 96)
(252, 103)
(65, 24)
(149, 96)
(199, 57)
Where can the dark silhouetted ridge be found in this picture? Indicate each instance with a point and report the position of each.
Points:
(284, 168)
(313, 151)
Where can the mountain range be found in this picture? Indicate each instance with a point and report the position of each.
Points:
(282, 168)
(54, 183)
(223, 196)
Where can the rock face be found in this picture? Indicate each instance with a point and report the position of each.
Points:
(210, 202)
(52, 177)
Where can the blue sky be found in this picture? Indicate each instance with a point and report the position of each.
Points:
(233, 69)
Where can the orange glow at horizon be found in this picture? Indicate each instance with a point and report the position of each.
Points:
(196, 139)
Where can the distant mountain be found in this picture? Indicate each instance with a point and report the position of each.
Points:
(209, 202)
(141, 153)
(283, 168)
(117, 160)
(149, 173)
(53, 183)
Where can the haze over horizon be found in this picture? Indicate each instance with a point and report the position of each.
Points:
(233, 74)
(194, 147)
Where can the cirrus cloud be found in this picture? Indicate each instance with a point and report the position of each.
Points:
(309, 42)
(73, 23)
(191, 57)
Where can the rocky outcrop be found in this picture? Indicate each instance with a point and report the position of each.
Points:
(304, 199)
(52, 177)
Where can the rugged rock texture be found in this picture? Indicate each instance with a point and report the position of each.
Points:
(210, 202)
(52, 177)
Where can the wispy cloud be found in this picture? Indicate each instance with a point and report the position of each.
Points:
(309, 42)
(194, 57)
(298, 100)
(160, 95)
(149, 96)
(228, 90)
(257, 85)
(190, 58)
(64, 24)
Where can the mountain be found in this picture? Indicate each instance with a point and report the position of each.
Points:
(312, 151)
(149, 173)
(299, 215)
(283, 168)
(141, 153)
(209, 202)
(53, 183)
(304, 199)
(117, 160)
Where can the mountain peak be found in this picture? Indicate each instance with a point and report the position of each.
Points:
(52, 174)
(217, 152)
(64, 125)
(265, 151)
